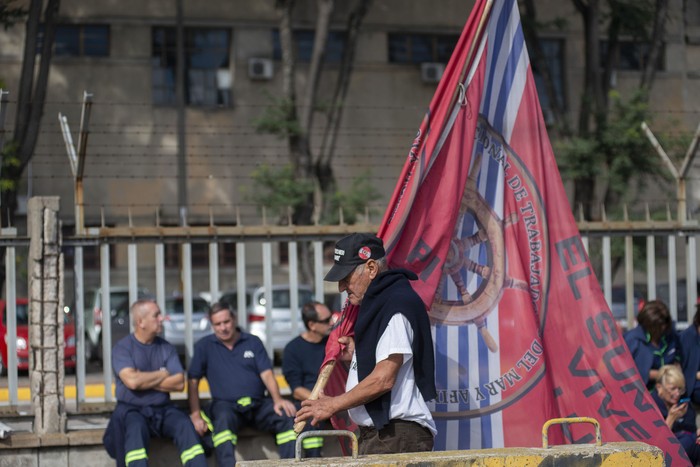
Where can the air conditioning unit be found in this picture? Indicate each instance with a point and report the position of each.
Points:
(431, 72)
(260, 68)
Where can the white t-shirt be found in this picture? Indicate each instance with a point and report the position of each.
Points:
(406, 400)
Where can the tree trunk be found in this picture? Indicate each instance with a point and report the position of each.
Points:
(658, 37)
(324, 168)
(561, 125)
(28, 142)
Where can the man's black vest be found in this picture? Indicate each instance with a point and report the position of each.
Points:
(390, 293)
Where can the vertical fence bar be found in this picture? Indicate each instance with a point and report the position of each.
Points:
(691, 275)
(294, 311)
(318, 270)
(241, 285)
(214, 290)
(651, 267)
(106, 321)
(133, 279)
(79, 318)
(584, 239)
(160, 275)
(607, 273)
(267, 283)
(11, 317)
(187, 299)
(629, 281)
(672, 277)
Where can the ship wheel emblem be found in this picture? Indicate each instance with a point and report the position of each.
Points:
(489, 274)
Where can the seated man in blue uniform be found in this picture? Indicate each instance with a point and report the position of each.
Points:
(238, 371)
(302, 359)
(148, 369)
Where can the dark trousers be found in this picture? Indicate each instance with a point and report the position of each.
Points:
(228, 419)
(168, 422)
(687, 440)
(396, 436)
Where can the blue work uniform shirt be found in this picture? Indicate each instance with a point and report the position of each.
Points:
(232, 374)
(302, 361)
(130, 353)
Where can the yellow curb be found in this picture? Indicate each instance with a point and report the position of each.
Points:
(97, 391)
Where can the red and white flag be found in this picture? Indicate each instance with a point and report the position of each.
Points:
(522, 331)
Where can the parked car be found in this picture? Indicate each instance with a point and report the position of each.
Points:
(119, 314)
(619, 304)
(174, 322)
(281, 313)
(22, 337)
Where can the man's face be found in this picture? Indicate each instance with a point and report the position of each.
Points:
(322, 324)
(356, 283)
(224, 325)
(151, 320)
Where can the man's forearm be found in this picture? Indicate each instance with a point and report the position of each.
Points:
(380, 381)
(142, 380)
(173, 383)
(193, 395)
(301, 393)
(268, 378)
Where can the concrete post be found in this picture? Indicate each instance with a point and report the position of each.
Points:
(46, 342)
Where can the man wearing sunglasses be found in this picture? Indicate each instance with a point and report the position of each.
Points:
(302, 358)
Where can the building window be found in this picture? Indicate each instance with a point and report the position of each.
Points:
(207, 73)
(631, 56)
(553, 50)
(304, 43)
(78, 40)
(421, 48)
(200, 254)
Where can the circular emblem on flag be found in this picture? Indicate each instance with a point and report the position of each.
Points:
(479, 286)
(364, 253)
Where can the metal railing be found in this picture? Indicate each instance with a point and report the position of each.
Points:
(254, 260)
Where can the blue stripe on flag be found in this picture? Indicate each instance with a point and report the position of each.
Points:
(495, 38)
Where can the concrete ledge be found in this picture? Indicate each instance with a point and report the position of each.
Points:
(84, 447)
(611, 454)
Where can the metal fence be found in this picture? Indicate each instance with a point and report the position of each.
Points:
(669, 254)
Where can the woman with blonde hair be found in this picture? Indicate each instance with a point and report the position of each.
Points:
(678, 413)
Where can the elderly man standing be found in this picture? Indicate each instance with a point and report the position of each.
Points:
(392, 371)
(148, 369)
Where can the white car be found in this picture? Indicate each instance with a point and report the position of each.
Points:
(282, 331)
(174, 321)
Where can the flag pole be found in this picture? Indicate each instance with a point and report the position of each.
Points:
(327, 369)
(318, 387)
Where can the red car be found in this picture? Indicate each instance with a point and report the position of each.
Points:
(23, 337)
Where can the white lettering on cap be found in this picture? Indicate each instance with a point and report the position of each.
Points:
(338, 251)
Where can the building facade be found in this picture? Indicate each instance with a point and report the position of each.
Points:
(124, 54)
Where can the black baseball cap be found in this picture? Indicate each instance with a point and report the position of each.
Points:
(353, 250)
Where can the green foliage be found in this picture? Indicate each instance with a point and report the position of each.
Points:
(625, 145)
(635, 16)
(620, 147)
(10, 166)
(278, 190)
(279, 118)
(578, 157)
(354, 201)
(9, 14)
